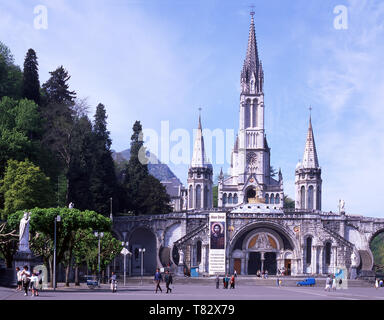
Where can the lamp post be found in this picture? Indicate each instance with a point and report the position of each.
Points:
(110, 215)
(99, 235)
(125, 252)
(142, 250)
(57, 219)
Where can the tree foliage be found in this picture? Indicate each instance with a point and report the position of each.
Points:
(24, 187)
(31, 83)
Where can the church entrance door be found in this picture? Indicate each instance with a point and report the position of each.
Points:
(254, 262)
(237, 266)
(270, 263)
(287, 265)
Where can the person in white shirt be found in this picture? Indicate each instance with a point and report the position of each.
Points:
(35, 284)
(19, 279)
(25, 275)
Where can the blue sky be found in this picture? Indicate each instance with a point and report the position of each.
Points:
(162, 60)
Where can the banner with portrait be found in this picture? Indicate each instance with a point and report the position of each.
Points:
(217, 242)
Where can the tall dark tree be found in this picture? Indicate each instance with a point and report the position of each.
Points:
(80, 170)
(145, 194)
(103, 180)
(31, 83)
(58, 112)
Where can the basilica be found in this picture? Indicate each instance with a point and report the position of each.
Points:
(260, 234)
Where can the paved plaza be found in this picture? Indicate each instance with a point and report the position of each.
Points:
(199, 292)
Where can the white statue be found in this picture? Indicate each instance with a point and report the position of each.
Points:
(181, 258)
(24, 232)
(342, 205)
(71, 205)
(353, 260)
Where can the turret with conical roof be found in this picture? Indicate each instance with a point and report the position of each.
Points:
(308, 176)
(200, 175)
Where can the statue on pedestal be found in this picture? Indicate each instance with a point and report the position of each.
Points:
(24, 233)
(342, 206)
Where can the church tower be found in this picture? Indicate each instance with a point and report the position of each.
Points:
(308, 176)
(250, 180)
(200, 176)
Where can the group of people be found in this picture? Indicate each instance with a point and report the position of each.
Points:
(159, 278)
(262, 274)
(28, 281)
(331, 283)
(228, 282)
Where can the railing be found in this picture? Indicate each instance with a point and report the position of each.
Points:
(191, 234)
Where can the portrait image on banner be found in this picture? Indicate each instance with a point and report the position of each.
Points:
(217, 235)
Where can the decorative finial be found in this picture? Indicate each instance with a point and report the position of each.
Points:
(252, 13)
(200, 117)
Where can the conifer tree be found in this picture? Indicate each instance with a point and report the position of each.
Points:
(31, 83)
(103, 180)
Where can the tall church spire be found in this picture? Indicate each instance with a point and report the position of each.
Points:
(252, 75)
(310, 159)
(199, 158)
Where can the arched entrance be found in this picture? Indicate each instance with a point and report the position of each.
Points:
(250, 194)
(143, 238)
(376, 245)
(263, 246)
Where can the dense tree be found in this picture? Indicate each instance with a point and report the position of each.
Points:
(145, 194)
(103, 180)
(10, 74)
(42, 232)
(24, 187)
(58, 112)
(289, 203)
(31, 83)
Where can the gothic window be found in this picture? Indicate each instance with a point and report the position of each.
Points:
(206, 205)
(254, 112)
(247, 115)
(302, 198)
(224, 199)
(272, 199)
(328, 253)
(190, 197)
(308, 248)
(277, 199)
(310, 198)
(267, 198)
(198, 197)
(235, 199)
(230, 200)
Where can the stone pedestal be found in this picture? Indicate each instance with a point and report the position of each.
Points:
(21, 259)
(180, 269)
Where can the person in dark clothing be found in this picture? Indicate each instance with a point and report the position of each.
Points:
(217, 282)
(168, 280)
(158, 279)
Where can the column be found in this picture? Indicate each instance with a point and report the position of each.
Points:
(321, 260)
(246, 263)
(334, 259)
(313, 259)
(242, 266)
(262, 261)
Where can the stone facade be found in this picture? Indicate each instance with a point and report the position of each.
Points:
(260, 235)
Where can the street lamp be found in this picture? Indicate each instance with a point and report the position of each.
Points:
(111, 216)
(57, 219)
(125, 252)
(142, 250)
(99, 235)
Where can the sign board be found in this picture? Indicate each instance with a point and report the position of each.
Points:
(217, 242)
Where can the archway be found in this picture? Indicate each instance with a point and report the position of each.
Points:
(139, 239)
(250, 194)
(377, 247)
